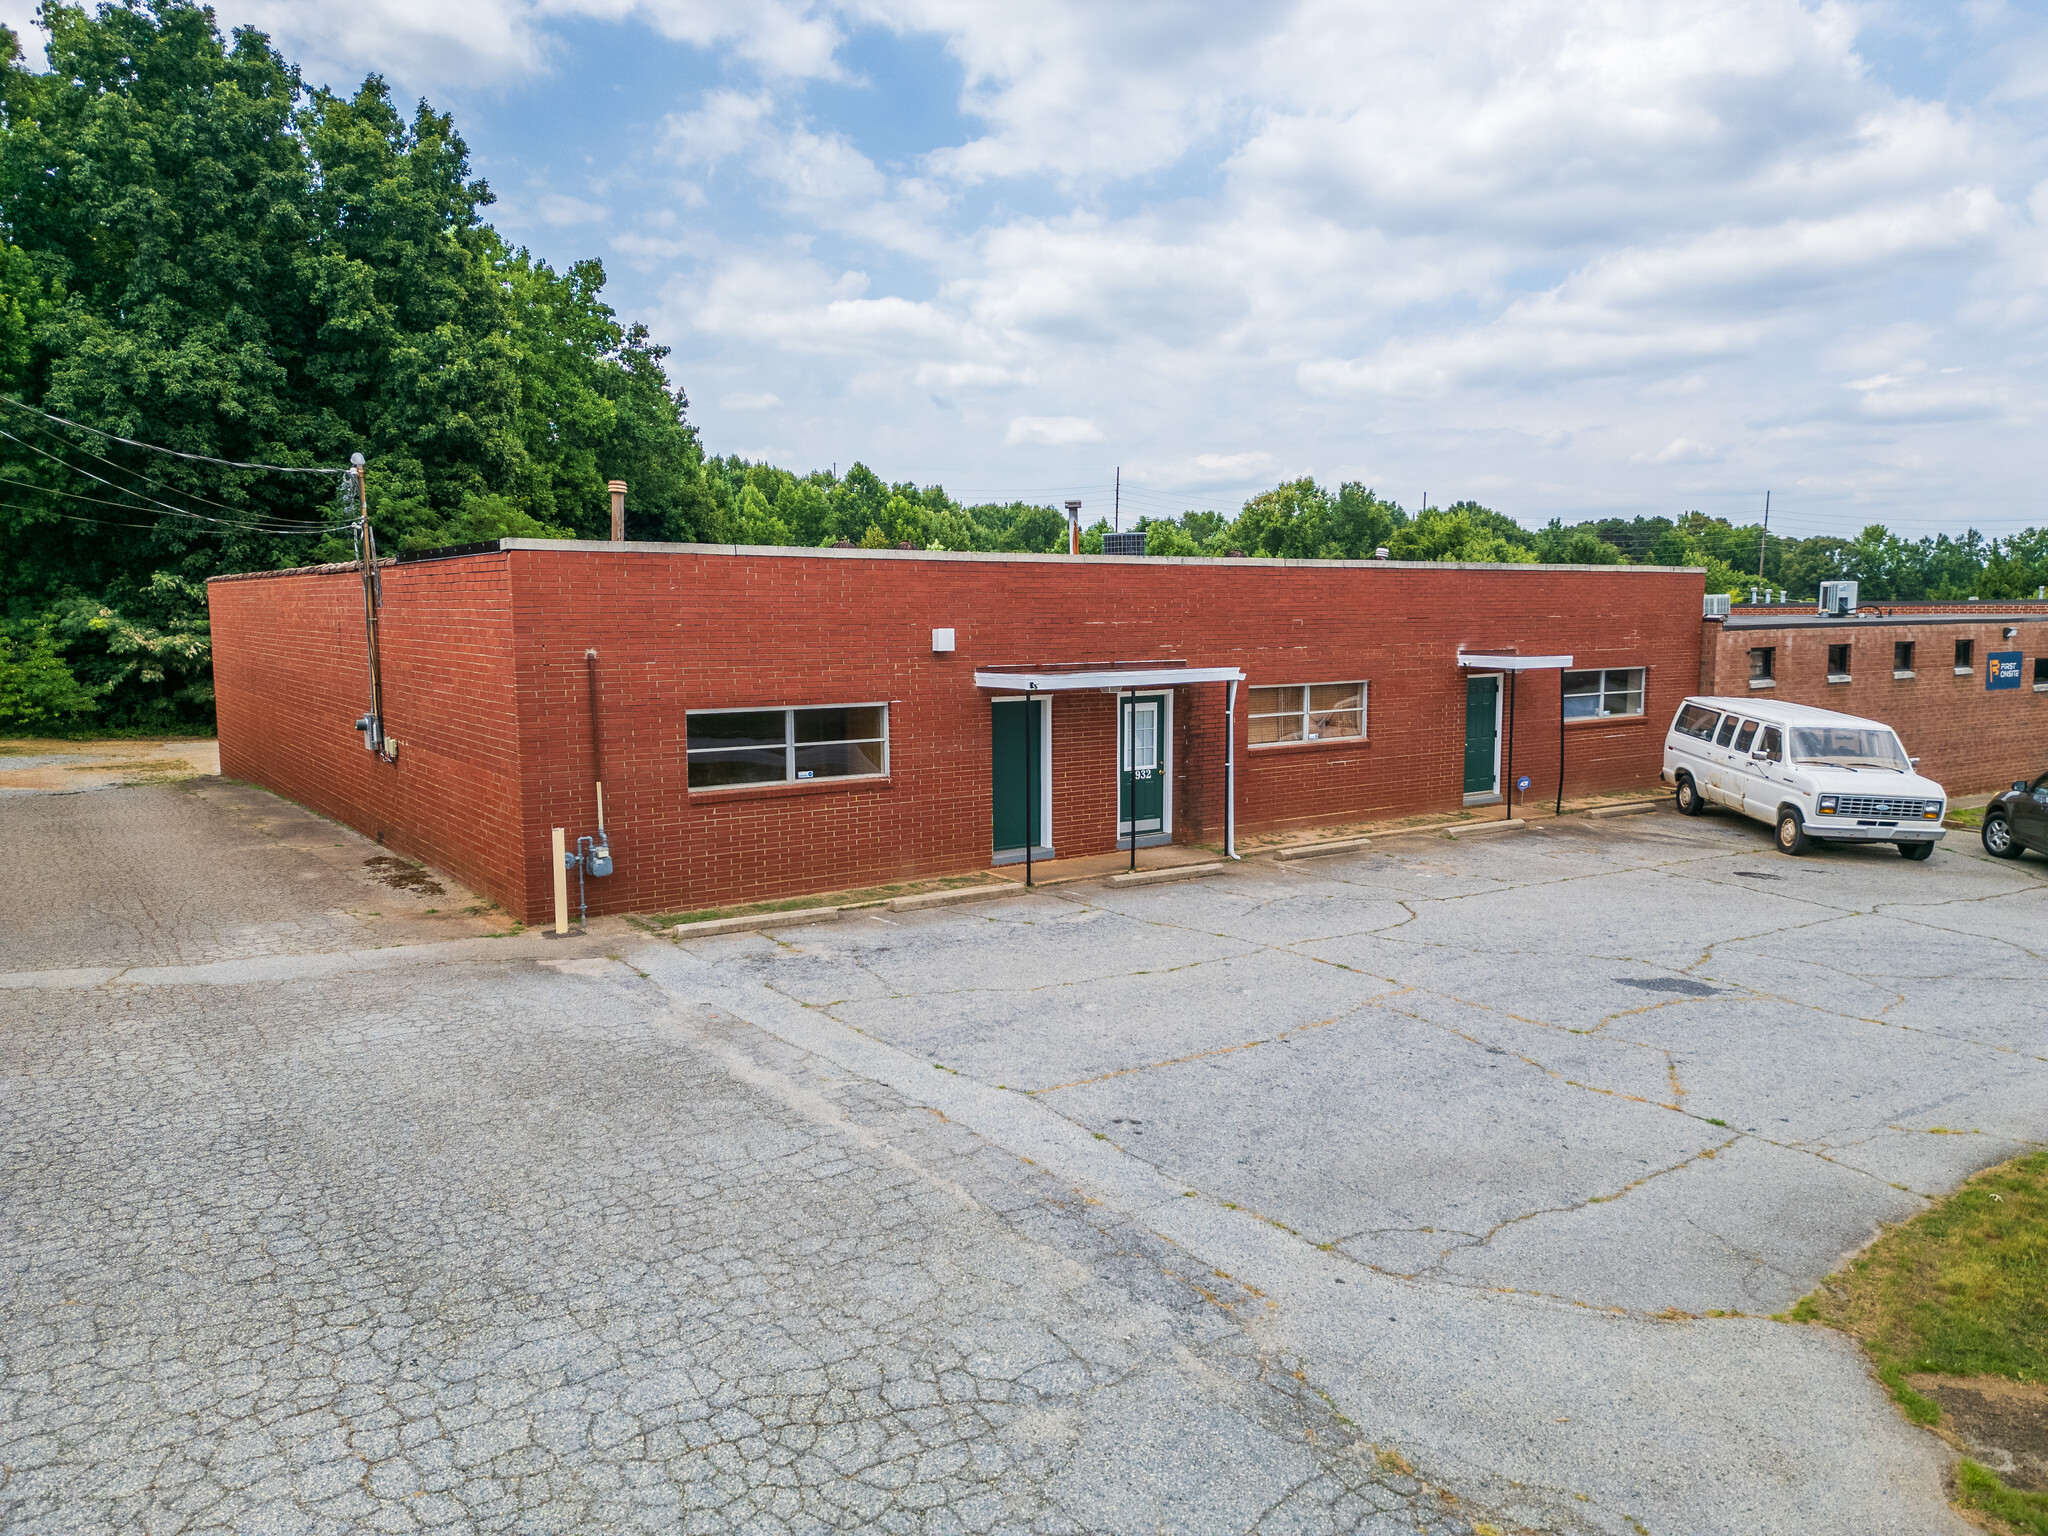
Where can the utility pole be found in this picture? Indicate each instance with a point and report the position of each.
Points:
(1116, 515)
(1763, 538)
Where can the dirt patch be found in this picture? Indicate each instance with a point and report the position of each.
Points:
(135, 765)
(401, 876)
(2002, 1423)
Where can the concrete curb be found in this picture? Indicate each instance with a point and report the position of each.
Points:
(1318, 850)
(1632, 808)
(1161, 876)
(753, 922)
(952, 898)
(1484, 828)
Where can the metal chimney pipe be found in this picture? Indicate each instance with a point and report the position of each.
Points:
(618, 490)
(1073, 527)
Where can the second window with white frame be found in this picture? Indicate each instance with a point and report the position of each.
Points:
(1306, 712)
(1598, 695)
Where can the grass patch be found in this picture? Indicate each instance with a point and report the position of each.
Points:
(2018, 1508)
(1972, 818)
(1960, 1290)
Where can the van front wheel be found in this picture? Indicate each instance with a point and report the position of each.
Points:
(1689, 801)
(1916, 850)
(1791, 832)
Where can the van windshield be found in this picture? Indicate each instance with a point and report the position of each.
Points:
(1849, 746)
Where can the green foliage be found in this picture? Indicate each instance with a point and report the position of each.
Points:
(36, 687)
(198, 251)
(2022, 1509)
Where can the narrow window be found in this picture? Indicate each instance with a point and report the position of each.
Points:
(1838, 663)
(1745, 736)
(1763, 664)
(1306, 712)
(1772, 747)
(2041, 671)
(729, 747)
(1966, 656)
(1902, 658)
(1727, 735)
(1596, 695)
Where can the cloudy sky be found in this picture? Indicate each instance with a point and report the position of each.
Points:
(1570, 260)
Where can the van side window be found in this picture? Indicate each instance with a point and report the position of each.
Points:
(1697, 721)
(1745, 736)
(1728, 725)
(1773, 744)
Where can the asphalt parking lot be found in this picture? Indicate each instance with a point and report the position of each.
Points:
(1440, 1187)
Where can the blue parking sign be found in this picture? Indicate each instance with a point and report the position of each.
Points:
(2002, 670)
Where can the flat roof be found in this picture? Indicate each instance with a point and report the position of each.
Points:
(1874, 620)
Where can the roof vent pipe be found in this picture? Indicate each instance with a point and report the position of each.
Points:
(1073, 527)
(618, 490)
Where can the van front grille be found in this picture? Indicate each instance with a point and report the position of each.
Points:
(1872, 805)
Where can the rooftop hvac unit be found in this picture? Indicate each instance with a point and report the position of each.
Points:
(1717, 605)
(1838, 597)
(1123, 543)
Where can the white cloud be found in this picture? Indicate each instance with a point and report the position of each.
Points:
(1051, 431)
(762, 402)
(1680, 450)
(1231, 466)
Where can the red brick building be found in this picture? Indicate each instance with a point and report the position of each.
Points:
(770, 722)
(1964, 684)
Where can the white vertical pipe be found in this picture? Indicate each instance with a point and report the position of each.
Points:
(1230, 768)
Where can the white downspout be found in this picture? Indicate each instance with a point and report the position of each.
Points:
(1230, 769)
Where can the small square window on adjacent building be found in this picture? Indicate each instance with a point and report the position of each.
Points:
(2041, 674)
(1838, 663)
(1966, 658)
(1306, 712)
(1902, 658)
(1763, 666)
(729, 747)
(1597, 695)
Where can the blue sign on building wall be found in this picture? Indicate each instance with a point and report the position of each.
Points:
(2002, 670)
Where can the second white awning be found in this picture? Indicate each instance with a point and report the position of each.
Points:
(1485, 663)
(1114, 680)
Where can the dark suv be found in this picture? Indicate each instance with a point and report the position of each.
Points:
(2018, 820)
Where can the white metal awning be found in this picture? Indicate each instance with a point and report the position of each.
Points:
(1485, 663)
(1114, 680)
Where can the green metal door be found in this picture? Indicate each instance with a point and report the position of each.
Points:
(1482, 735)
(1141, 744)
(1017, 744)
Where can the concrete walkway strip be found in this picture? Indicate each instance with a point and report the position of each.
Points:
(1631, 808)
(1323, 850)
(1161, 876)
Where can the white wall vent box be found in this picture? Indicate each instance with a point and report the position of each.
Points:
(942, 640)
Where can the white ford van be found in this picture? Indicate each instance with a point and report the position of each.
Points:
(1816, 775)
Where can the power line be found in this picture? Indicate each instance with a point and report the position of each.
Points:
(197, 458)
(122, 506)
(126, 470)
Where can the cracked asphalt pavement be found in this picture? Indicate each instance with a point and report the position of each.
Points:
(1442, 1187)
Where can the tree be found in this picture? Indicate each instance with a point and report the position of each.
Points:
(36, 688)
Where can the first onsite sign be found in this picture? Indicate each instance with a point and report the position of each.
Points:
(2001, 670)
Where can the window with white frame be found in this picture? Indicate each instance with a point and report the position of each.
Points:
(780, 746)
(1596, 695)
(1306, 712)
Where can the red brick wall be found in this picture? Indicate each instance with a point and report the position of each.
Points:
(1967, 737)
(291, 681)
(691, 628)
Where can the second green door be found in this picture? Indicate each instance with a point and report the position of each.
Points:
(1141, 746)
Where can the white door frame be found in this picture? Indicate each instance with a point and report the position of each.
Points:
(1116, 804)
(1500, 697)
(1038, 850)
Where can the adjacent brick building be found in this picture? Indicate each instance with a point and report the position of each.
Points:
(771, 722)
(1964, 684)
